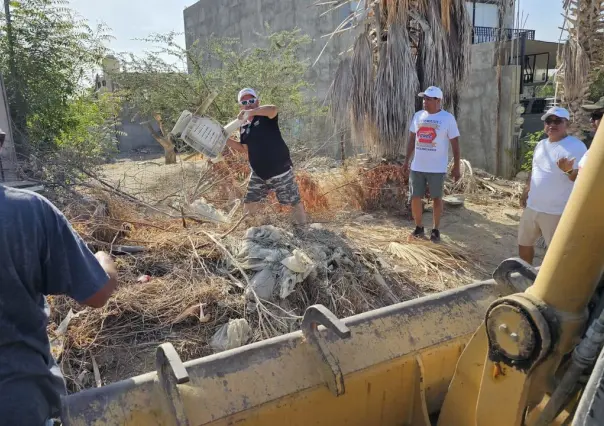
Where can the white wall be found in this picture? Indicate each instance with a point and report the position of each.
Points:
(487, 15)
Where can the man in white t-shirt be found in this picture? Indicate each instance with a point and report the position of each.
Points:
(431, 131)
(597, 111)
(550, 182)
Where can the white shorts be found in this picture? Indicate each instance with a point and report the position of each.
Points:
(534, 224)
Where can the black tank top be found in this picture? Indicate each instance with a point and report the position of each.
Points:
(268, 154)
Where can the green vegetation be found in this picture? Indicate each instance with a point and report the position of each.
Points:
(159, 89)
(48, 57)
(528, 148)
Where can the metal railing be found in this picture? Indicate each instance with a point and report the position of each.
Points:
(491, 34)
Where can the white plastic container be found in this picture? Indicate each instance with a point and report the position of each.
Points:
(233, 125)
(182, 122)
(207, 136)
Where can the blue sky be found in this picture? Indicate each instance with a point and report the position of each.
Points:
(133, 19)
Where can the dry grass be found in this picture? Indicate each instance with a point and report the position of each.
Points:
(360, 266)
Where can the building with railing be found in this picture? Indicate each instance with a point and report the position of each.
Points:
(492, 34)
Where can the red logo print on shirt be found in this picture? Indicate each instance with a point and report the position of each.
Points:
(427, 134)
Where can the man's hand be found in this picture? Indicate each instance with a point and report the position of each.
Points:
(246, 114)
(101, 297)
(566, 164)
(106, 262)
(456, 172)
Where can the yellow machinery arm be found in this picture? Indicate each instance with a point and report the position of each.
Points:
(489, 353)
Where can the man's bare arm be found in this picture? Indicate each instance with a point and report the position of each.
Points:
(456, 151)
(269, 111)
(100, 298)
(527, 188)
(236, 146)
(573, 175)
(410, 147)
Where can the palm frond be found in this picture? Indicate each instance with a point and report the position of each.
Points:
(395, 89)
(362, 81)
(340, 94)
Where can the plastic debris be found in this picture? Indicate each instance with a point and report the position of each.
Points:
(263, 284)
(232, 335)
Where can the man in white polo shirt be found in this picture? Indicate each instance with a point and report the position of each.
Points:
(431, 131)
(550, 182)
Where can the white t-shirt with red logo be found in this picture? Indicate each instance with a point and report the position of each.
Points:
(432, 135)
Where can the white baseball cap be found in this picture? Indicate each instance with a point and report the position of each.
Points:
(246, 91)
(432, 92)
(558, 112)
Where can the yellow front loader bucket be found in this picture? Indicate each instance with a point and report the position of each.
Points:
(390, 366)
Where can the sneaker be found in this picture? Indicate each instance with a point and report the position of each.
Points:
(435, 236)
(419, 232)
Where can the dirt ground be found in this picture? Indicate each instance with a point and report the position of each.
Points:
(486, 225)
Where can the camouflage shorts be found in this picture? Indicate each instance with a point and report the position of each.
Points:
(284, 185)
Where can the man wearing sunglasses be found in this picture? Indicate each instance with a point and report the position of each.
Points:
(272, 167)
(550, 182)
(431, 132)
(597, 111)
(40, 254)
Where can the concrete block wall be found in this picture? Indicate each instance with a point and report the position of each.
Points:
(245, 20)
(482, 107)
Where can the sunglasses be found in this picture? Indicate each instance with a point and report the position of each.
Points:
(248, 102)
(554, 121)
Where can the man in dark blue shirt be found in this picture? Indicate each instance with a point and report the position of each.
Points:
(272, 167)
(40, 255)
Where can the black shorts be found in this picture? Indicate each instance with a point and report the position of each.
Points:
(284, 185)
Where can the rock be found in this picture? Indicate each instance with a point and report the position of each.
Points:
(512, 214)
(522, 176)
(316, 226)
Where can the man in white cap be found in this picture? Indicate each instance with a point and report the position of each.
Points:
(431, 132)
(550, 182)
(272, 167)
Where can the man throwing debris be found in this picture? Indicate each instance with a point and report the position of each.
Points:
(597, 111)
(431, 131)
(272, 167)
(550, 182)
(40, 255)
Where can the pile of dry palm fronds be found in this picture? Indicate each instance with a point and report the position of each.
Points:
(406, 45)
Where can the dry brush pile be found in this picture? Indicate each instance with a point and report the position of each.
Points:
(186, 280)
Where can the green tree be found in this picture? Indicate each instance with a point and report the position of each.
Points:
(87, 140)
(528, 148)
(159, 89)
(47, 53)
